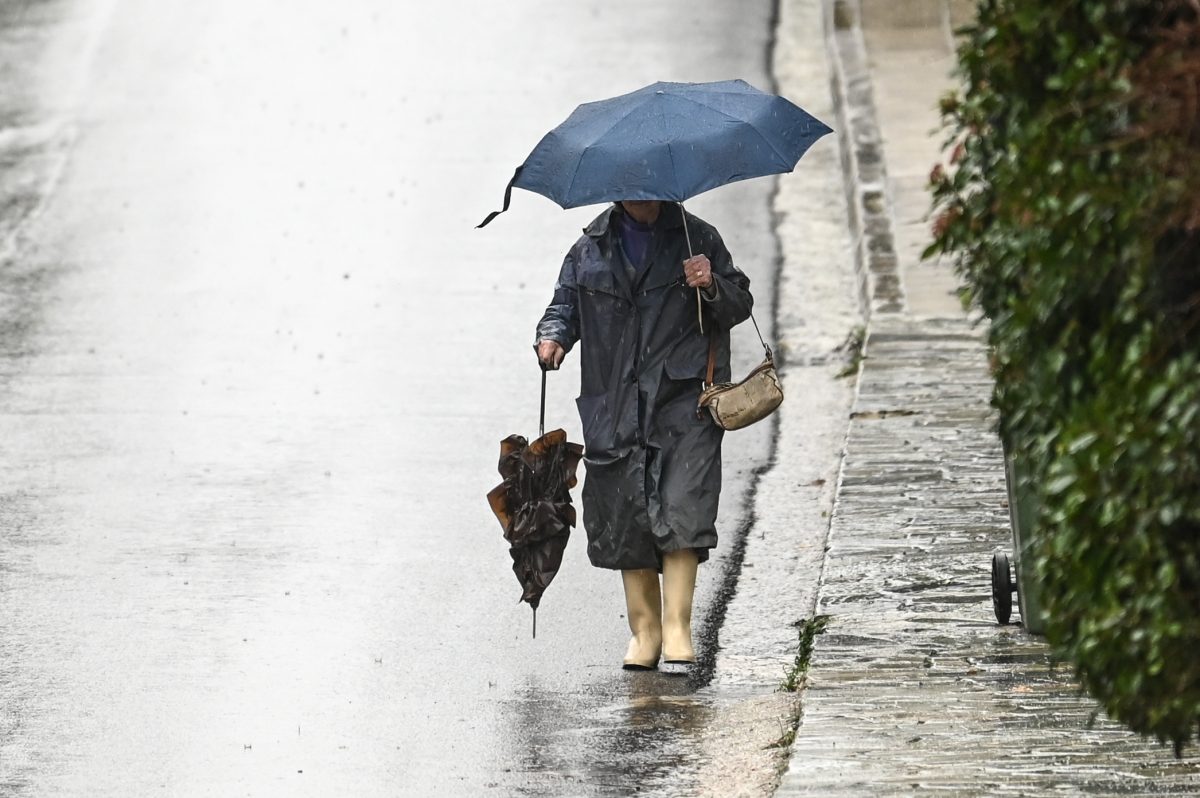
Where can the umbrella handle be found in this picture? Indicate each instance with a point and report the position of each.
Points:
(542, 415)
(700, 306)
(687, 236)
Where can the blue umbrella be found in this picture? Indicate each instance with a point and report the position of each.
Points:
(667, 141)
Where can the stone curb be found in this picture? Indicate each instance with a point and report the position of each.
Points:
(875, 261)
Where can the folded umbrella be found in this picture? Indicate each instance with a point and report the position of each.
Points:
(533, 505)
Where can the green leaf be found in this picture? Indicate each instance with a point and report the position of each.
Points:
(1093, 341)
(1082, 442)
(1060, 484)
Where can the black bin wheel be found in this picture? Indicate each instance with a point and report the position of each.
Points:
(1002, 587)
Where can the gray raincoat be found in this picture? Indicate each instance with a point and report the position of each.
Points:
(653, 466)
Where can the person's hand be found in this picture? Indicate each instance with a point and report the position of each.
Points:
(550, 353)
(698, 271)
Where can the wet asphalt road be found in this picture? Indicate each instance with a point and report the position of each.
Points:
(255, 364)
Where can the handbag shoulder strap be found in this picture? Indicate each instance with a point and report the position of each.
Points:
(712, 351)
(758, 332)
(712, 357)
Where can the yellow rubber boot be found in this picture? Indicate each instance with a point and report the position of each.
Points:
(679, 585)
(643, 607)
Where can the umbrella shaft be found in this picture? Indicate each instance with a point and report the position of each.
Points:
(688, 237)
(542, 415)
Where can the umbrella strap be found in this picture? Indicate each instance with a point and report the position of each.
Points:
(507, 199)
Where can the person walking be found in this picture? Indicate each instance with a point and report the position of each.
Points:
(627, 292)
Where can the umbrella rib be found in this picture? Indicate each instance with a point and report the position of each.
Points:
(774, 149)
(587, 147)
(674, 169)
(575, 174)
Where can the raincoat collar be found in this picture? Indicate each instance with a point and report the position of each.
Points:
(670, 216)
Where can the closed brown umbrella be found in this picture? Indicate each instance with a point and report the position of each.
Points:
(533, 505)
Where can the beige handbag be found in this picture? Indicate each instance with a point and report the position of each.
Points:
(737, 405)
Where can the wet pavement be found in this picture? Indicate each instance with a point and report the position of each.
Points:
(914, 688)
(256, 368)
(744, 748)
(256, 365)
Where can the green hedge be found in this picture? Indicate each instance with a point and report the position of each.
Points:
(1069, 206)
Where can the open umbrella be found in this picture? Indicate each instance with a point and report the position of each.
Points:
(667, 141)
(533, 504)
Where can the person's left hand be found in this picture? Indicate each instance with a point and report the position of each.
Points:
(698, 271)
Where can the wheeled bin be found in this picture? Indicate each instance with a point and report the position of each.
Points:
(1022, 510)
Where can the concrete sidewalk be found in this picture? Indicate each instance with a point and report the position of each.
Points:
(914, 688)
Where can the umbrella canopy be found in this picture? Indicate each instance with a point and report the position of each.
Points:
(667, 141)
(533, 505)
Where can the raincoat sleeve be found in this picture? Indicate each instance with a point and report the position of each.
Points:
(560, 322)
(730, 303)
